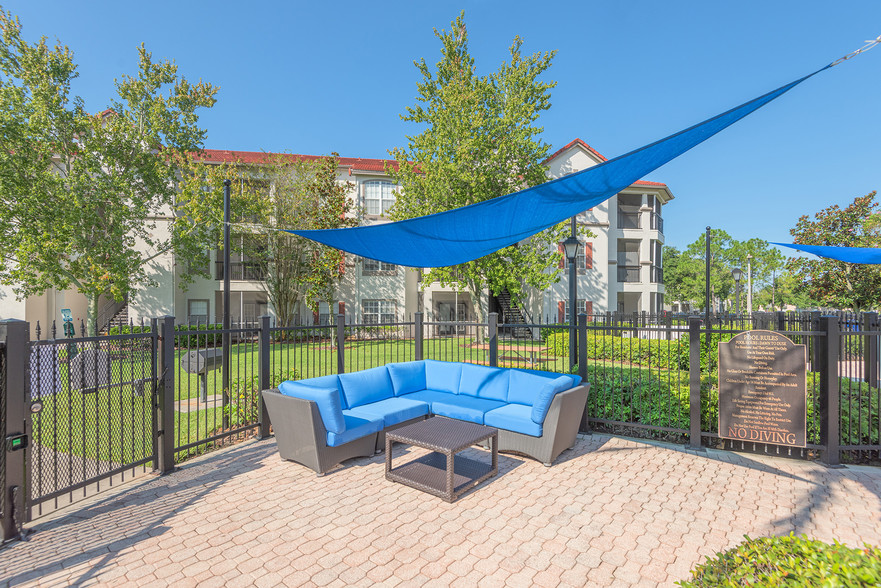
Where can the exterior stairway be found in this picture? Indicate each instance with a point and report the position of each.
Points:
(113, 314)
(512, 314)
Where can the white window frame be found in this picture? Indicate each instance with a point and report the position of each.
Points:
(378, 311)
(379, 196)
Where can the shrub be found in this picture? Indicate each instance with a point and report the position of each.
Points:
(243, 406)
(790, 561)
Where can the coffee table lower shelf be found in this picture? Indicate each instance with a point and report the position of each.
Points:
(429, 474)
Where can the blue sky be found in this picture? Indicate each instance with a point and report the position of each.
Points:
(316, 77)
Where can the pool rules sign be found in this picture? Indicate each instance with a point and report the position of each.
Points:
(762, 389)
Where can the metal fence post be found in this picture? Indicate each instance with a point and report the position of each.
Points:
(694, 383)
(815, 351)
(417, 336)
(164, 448)
(15, 334)
(669, 326)
(870, 369)
(493, 339)
(781, 320)
(263, 378)
(830, 399)
(340, 343)
(582, 364)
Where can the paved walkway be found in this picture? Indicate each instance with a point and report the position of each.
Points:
(611, 512)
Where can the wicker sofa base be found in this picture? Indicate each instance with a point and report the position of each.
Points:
(300, 432)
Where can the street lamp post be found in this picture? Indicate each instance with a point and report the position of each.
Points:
(570, 245)
(736, 273)
(749, 284)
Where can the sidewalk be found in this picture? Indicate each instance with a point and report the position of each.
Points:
(611, 512)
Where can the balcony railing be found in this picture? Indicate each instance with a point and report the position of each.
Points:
(628, 220)
(657, 222)
(628, 273)
(241, 270)
(657, 275)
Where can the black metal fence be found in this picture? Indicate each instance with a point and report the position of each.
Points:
(101, 409)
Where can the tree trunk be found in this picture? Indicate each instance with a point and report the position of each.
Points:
(92, 319)
(478, 311)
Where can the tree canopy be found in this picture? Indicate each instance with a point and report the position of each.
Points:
(685, 272)
(479, 141)
(84, 195)
(836, 283)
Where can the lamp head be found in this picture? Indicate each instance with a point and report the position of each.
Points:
(570, 245)
(737, 274)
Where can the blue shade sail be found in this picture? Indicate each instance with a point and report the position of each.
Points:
(467, 233)
(868, 255)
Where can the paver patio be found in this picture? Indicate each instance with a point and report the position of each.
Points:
(611, 512)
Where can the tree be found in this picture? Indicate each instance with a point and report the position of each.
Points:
(81, 192)
(479, 142)
(685, 272)
(785, 289)
(297, 194)
(836, 283)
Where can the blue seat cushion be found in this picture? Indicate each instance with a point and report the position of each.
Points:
(366, 386)
(484, 382)
(356, 427)
(430, 396)
(331, 381)
(464, 408)
(442, 375)
(542, 402)
(391, 410)
(328, 401)
(408, 376)
(513, 417)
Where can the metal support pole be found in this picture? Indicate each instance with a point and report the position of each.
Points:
(694, 383)
(164, 451)
(573, 302)
(830, 399)
(418, 323)
(582, 364)
(340, 343)
(264, 383)
(707, 282)
(226, 338)
(870, 356)
(493, 339)
(15, 335)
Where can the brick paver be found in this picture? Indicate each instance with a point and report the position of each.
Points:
(611, 512)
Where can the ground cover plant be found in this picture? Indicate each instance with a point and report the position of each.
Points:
(789, 561)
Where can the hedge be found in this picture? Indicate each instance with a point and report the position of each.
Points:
(789, 561)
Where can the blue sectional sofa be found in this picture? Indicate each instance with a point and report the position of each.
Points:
(320, 422)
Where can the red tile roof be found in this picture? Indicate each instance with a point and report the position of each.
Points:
(227, 156)
(599, 156)
(356, 164)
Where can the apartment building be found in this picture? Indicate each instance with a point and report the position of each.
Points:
(619, 268)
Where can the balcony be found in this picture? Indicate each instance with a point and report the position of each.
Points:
(241, 271)
(657, 274)
(657, 223)
(628, 220)
(628, 273)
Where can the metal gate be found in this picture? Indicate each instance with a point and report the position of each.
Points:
(91, 404)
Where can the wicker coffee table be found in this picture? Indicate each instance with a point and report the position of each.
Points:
(442, 473)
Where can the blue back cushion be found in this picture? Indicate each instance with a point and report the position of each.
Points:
(331, 381)
(523, 387)
(327, 399)
(545, 396)
(407, 376)
(442, 375)
(484, 382)
(366, 386)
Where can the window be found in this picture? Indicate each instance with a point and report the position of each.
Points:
(378, 197)
(583, 306)
(628, 211)
(378, 311)
(374, 266)
(584, 259)
(657, 273)
(197, 311)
